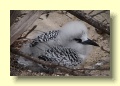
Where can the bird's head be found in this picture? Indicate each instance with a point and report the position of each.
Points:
(76, 31)
(83, 39)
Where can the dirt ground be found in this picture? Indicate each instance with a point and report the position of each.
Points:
(99, 58)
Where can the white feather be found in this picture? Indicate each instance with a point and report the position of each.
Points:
(74, 29)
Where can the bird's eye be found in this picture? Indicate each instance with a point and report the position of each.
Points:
(78, 40)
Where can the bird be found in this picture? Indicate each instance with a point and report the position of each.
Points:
(69, 47)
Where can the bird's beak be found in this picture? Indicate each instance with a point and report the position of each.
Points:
(90, 42)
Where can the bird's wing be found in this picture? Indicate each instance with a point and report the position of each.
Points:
(61, 55)
(44, 37)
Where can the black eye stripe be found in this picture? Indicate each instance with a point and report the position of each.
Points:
(78, 40)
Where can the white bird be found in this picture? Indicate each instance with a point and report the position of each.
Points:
(68, 46)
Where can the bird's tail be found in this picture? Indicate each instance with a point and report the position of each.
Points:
(29, 64)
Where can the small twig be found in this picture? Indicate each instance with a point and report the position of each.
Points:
(99, 13)
(28, 32)
(90, 12)
(104, 20)
(24, 37)
(105, 50)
